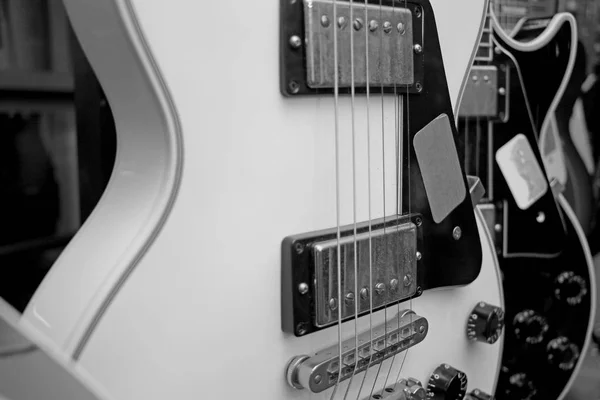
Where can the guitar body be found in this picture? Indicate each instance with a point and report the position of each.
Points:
(561, 158)
(178, 270)
(546, 264)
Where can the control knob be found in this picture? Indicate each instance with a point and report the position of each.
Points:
(520, 387)
(478, 395)
(447, 383)
(530, 326)
(562, 353)
(485, 323)
(570, 288)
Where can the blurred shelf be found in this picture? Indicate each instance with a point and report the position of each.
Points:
(47, 83)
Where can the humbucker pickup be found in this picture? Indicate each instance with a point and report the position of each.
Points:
(385, 272)
(387, 43)
(486, 93)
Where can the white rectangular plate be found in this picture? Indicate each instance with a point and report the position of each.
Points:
(524, 175)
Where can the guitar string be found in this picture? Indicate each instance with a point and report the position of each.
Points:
(357, 295)
(350, 26)
(398, 191)
(402, 111)
(371, 289)
(337, 190)
(414, 279)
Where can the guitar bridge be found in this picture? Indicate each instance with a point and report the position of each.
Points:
(321, 370)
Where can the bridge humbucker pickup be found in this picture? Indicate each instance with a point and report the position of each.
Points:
(321, 370)
(393, 264)
(388, 259)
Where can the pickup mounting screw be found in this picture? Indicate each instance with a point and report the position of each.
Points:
(419, 87)
(387, 26)
(342, 22)
(401, 28)
(407, 280)
(418, 12)
(333, 304)
(498, 228)
(457, 233)
(301, 329)
(303, 288)
(373, 25)
(394, 284)
(418, 48)
(299, 247)
(350, 298)
(419, 256)
(380, 288)
(294, 88)
(364, 293)
(295, 42)
(325, 21)
(419, 221)
(501, 91)
(541, 217)
(358, 24)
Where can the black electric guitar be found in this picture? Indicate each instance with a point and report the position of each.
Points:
(561, 157)
(542, 250)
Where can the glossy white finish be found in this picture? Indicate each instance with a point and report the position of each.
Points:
(172, 288)
(30, 370)
(178, 346)
(150, 157)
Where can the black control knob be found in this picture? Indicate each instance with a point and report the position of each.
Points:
(520, 387)
(530, 327)
(570, 288)
(478, 395)
(485, 323)
(447, 383)
(562, 353)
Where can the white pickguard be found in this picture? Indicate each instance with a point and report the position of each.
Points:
(171, 288)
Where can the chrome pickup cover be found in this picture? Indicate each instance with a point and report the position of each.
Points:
(320, 371)
(393, 263)
(480, 98)
(390, 44)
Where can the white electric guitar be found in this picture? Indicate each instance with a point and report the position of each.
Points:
(257, 141)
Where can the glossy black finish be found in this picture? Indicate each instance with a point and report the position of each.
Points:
(539, 250)
(445, 261)
(578, 188)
